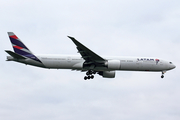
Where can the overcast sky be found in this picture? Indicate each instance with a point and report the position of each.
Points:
(148, 28)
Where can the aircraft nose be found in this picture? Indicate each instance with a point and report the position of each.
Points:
(173, 66)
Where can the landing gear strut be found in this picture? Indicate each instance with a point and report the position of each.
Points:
(89, 75)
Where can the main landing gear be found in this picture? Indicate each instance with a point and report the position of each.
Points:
(162, 76)
(89, 75)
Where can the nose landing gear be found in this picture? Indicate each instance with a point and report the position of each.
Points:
(162, 76)
(89, 75)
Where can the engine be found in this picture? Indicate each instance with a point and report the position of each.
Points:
(113, 64)
(107, 74)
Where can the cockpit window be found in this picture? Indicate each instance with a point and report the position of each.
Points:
(170, 62)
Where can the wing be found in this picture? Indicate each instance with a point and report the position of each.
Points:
(89, 56)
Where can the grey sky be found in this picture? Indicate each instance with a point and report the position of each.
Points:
(108, 27)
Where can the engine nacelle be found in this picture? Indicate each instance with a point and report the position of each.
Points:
(107, 74)
(113, 64)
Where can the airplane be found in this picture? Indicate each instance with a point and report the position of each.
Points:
(88, 62)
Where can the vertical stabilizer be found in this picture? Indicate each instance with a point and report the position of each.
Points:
(20, 48)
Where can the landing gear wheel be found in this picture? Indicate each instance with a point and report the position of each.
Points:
(162, 76)
(92, 76)
(85, 78)
(89, 77)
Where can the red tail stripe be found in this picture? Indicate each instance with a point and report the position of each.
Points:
(14, 36)
(17, 47)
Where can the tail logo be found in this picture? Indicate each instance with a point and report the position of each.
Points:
(20, 48)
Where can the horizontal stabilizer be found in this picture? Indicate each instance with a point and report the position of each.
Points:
(14, 55)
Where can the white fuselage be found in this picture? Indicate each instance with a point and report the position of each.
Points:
(76, 63)
(89, 61)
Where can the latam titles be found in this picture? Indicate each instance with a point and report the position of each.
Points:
(145, 59)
